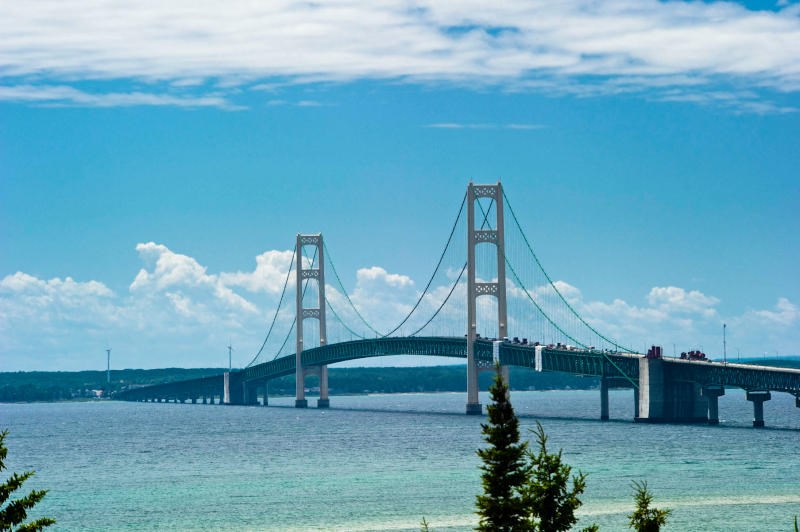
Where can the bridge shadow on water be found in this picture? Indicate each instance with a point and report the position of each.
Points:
(721, 426)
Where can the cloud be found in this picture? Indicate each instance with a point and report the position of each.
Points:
(61, 95)
(175, 273)
(579, 47)
(300, 103)
(269, 275)
(176, 312)
(672, 299)
(785, 314)
(459, 125)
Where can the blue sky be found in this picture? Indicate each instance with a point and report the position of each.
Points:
(149, 156)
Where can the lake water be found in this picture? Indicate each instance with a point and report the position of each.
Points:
(382, 462)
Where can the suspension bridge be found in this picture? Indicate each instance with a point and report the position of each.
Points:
(493, 282)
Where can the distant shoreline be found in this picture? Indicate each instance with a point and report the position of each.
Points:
(57, 386)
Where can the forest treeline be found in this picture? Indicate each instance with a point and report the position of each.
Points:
(63, 385)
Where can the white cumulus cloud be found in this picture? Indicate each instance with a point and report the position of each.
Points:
(177, 313)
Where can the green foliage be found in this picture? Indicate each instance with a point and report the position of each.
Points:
(523, 491)
(644, 518)
(423, 526)
(502, 506)
(551, 504)
(13, 513)
(795, 524)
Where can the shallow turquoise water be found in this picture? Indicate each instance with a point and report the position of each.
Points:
(382, 462)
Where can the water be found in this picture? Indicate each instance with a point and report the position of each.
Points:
(383, 462)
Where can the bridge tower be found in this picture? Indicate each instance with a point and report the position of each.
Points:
(317, 274)
(475, 289)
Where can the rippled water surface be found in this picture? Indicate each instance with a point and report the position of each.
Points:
(383, 462)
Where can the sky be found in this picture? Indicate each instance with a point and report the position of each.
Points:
(157, 160)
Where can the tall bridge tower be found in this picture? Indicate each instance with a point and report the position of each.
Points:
(475, 289)
(317, 274)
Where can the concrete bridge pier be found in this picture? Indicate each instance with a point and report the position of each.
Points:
(323, 401)
(233, 389)
(603, 399)
(651, 390)
(194, 400)
(300, 400)
(266, 393)
(712, 395)
(758, 398)
(664, 399)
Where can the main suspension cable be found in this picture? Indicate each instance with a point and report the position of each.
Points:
(277, 310)
(514, 273)
(438, 265)
(347, 297)
(549, 280)
(463, 268)
(294, 322)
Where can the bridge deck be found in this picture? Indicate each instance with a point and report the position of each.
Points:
(619, 366)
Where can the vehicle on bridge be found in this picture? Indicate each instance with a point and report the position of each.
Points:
(695, 355)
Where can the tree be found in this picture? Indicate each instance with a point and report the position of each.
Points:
(13, 513)
(502, 506)
(644, 518)
(551, 505)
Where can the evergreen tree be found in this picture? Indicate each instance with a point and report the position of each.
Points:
(13, 513)
(644, 518)
(551, 505)
(502, 507)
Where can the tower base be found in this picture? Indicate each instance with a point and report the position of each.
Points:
(474, 409)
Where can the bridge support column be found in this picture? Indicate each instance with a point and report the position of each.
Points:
(194, 400)
(266, 393)
(250, 394)
(603, 399)
(474, 407)
(306, 275)
(758, 398)
(712, 395)
(651, 390)
(797, 401)
(323, 401)
(233, 392)
(475, 289)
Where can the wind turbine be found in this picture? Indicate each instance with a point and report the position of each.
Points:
(108, 365)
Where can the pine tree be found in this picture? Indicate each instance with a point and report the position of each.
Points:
(644, 518)
(550, 503)
(13, 513)
(423, 526)
(502, 507)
